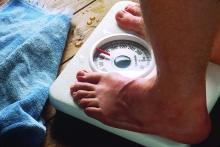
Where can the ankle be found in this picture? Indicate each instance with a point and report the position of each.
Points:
(183, 123)
(183, 104)
(200, 132)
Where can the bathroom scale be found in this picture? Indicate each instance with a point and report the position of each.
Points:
(111, 49)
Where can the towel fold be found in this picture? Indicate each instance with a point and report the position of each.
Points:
(31, 46)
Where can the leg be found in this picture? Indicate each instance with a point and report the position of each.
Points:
(131, 19)
(173, 103)
(215, 55)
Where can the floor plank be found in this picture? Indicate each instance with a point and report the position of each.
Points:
(73, 5)
(2, 2)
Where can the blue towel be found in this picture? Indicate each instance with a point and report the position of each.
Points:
(31, 46)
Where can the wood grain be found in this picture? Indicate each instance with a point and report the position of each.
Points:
(2, 2)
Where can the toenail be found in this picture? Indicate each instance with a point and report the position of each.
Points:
(73, 94)
(127, 8)
(71, 89)
(120, 14)
(124, 11)
(81, 73)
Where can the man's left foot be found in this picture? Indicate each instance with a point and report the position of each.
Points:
(144, 105)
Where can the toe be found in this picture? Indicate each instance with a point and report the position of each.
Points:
(83, 94)
(82, 86)
(90, 77)
(88, 102)
(123, 19)
(81, 72)
(95, 113)
(120, 16)
(130, 22)
(133, 9)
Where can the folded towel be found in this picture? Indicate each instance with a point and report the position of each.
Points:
(31, 46)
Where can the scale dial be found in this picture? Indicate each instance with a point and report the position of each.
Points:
(125, 54)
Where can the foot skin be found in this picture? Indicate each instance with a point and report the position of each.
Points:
(215, 55)
(138, 105)
(131, 19)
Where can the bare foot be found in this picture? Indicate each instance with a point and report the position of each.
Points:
(131, 19)
(144, 105)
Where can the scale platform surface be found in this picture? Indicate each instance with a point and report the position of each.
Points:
(61, 99)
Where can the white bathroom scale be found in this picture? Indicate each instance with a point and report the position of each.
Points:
(110, 48)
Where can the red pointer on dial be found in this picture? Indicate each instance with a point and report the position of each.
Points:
(102, 51)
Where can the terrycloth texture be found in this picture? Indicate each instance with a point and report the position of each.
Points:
(31, 45)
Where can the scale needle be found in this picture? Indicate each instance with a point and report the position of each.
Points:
(102, 51)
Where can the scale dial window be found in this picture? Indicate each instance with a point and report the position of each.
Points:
(125, 55)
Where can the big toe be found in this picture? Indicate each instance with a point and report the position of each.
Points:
(125, 19)
(96, 113)
(90, 77)
(130, 22)
(134, 9)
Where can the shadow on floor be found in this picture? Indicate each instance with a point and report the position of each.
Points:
(214, 138)
(71, 132)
